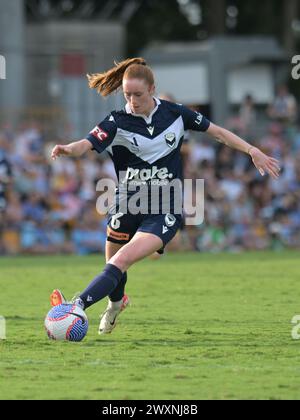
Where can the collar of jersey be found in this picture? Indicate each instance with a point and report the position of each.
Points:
(147, 119)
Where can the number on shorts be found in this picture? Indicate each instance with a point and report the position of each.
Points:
(115, 222)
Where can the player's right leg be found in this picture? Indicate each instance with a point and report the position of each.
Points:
(121, 228)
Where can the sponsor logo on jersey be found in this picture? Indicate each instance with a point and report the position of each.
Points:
(170, 139)
(147, 174)
(100, 134)
(199, 118)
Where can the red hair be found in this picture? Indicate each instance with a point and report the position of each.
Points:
(111, 80)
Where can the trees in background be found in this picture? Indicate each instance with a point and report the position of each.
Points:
(155, 20)
(290, 15)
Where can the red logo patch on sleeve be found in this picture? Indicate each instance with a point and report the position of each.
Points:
(100, 134)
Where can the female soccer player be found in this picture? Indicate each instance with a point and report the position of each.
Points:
(144, 142)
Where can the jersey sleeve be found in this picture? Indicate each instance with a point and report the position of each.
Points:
(193, 120)
(103, 134)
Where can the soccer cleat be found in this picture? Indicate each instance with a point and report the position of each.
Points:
(109, 317)
(57, 298)
(78, 301)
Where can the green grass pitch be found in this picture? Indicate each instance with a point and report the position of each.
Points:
(200, 326)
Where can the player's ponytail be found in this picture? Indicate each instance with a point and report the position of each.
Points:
(110, 81)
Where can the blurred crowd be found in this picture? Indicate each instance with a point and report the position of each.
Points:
(45, 206)
(49, 207)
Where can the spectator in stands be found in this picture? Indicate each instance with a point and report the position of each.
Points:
(284, 108)
(248, 117)
(49, 207)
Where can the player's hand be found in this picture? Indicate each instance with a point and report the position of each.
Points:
(264, 163)
(61, 150)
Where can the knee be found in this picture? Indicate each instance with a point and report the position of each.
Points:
(122, 260)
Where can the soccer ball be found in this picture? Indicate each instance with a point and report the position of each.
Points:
(66, 322)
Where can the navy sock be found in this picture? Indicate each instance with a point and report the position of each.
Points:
(119, 291)
(102, 285)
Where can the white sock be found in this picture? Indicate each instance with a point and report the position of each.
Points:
(115, 305)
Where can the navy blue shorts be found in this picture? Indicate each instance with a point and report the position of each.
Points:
(122, 227)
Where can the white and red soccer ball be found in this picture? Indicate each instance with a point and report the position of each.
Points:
(66, 322)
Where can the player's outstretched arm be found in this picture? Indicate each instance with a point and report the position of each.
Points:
(264, 163)
(75, 149)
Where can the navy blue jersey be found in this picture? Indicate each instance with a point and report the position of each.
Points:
(147, 149)
(140, 143)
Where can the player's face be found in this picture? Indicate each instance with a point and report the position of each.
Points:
(139, 95)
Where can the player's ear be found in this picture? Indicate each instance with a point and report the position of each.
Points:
(152, 89)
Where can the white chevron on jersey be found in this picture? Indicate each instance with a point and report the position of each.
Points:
(150, 150)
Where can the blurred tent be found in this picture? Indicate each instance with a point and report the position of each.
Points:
(49, 45)
(219, 72)
(47, 62)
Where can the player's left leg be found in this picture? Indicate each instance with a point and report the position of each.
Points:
(141, 245)
(118, 300)
(152, 235)
(110, 250)
(154, 232)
